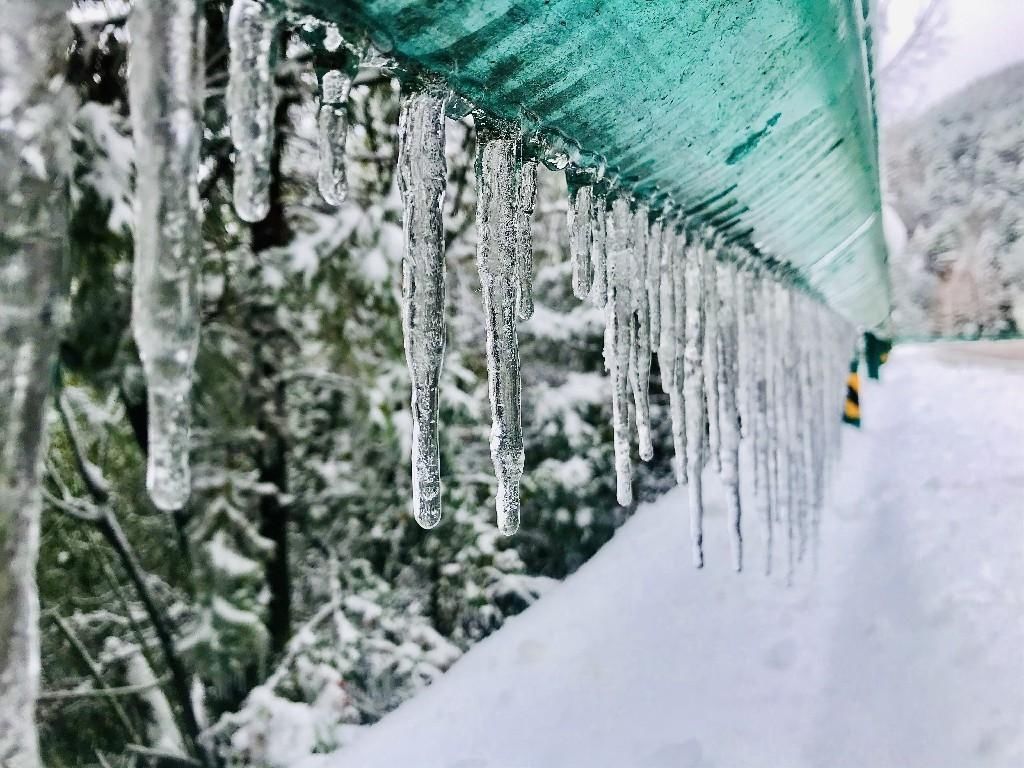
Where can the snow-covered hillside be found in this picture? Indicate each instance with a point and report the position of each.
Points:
(903, 651)
(956, 178)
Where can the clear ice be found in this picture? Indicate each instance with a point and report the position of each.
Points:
(581, 238)
(527, 199)
(640, 330)
(617, 341)
(251, 102)
(693, 389)
(422, 174)
(165, 94)
(497, 174)
(332, 132)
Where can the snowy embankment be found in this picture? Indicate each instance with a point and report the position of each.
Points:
(904, 650)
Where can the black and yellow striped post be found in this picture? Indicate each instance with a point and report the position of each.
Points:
(851, 410)
(876, 352)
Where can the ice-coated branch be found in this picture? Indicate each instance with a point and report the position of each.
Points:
(422, 173)
(497, 174)
(34, 167)
(165, 96)
(251, 101)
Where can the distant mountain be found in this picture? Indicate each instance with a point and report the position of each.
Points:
(955, 177)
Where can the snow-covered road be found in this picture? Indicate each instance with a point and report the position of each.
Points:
(904, 650)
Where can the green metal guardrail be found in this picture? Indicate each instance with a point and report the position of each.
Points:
(756, 116)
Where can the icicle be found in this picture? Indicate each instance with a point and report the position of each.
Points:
(581, 237)
(165, 93)
(527, 199)
(252, 38)
(772, 368)
(711, 309)
(35, 108)
(332, 128)
(760, 362)
(743, 372)
(599, 254)
(693, 383)
(670, 349)
(497, 163)
(729, 426)
(786, 427)
(640, 331)
(654, 281)
(422, 173)
(617, 342)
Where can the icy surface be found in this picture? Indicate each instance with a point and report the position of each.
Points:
(165, 91)
(422, 173)
(527, 199)
(903, 650)
(252, 33)
(497, 172)
(617, 344)
(332, 132)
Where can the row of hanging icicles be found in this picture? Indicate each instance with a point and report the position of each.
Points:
(743, 354)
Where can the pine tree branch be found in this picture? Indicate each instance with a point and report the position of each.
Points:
(96, 674)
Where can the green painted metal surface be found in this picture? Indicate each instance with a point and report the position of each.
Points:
(754, 115)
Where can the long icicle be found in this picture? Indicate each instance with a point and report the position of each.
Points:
(759, 406)
(729, 424)
(526, 200)
(640, 331)
(581, 237)
(497, 173)
(654, 281)
(251, 101)
(693, 383)
(670, 348)
(422, 174)
(599, 254)
(34, 143)
(165, 94)
(332, 133)
(711, 308)
(617, 342)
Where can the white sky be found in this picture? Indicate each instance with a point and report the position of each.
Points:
(981, 36)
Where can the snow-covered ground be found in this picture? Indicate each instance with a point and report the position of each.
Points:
(904, 650)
